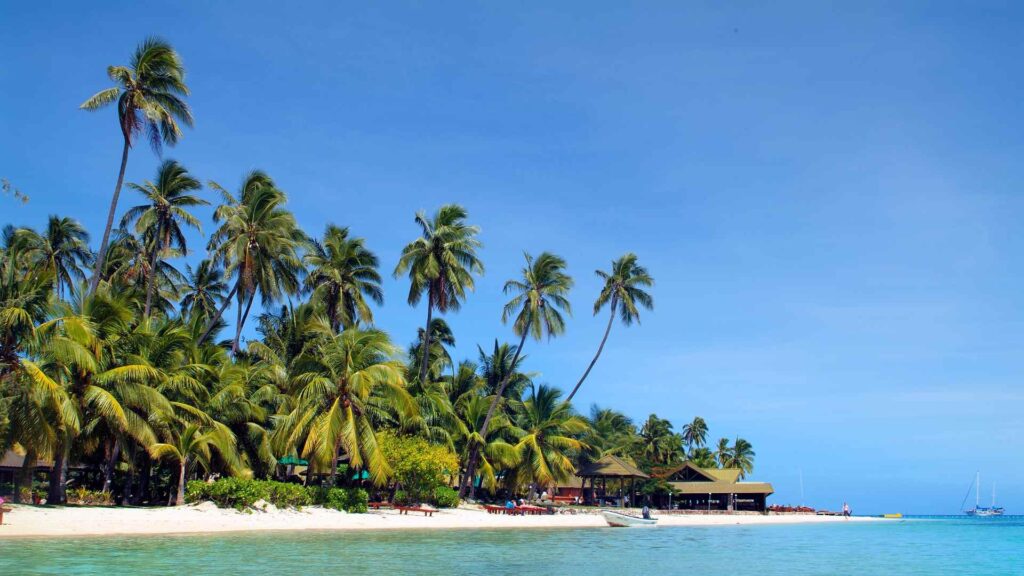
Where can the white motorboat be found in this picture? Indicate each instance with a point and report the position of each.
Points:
(620, 520)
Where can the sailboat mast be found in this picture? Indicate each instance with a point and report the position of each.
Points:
(993, 494)
(977, 490)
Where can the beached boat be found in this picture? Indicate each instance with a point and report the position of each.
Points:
(620, 520)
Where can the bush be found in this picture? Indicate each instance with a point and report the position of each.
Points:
(445, 497)
(86, 497)
(419, 467)
(241, 493)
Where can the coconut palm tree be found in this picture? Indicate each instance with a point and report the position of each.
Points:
(150, 95)
(191, 445)
(441, 338)
(740, 455)
(257, 243)
(441, 263)
(659, 444)
(722, 452)
(62, 250)
(334, 381)
(535, 310)
(549, 442)
(695, 433)
(204, 290)
(164, 215)
(611, 432)
(495, 451)
(497, 367)
(703, 458)
(342, 276)
(623, 292)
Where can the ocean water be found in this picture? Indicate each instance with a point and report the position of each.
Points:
(912, 546)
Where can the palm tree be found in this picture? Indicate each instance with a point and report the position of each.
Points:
(497, 368)
(194, 444)
(164, 214)
(494, 449)
(334, 382)
(204, 291)
(623, 291)
(441, 263)
(660, 445)
(438, 358)
(611, 432)
(342, 275)
(549, 442)
(741, 456)
(539, 296)
(149, 94)
(61, 251)
(695, 433)
(703, 458)
(722, 453)
(257, 243)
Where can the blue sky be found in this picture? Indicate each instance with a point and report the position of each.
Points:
(828, 196)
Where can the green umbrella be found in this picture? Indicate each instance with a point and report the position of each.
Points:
(292, 461)
(362, 475)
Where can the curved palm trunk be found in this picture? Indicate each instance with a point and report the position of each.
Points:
(611, 319)
(102, 255)
(108, 469)
(220, 312)
(241, 322)
(152, 281)
(425, 352)
(474, 453)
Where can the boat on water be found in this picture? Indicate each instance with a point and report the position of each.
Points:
(982, 511)
(620, 520)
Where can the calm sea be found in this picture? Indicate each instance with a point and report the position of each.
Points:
(912, 546)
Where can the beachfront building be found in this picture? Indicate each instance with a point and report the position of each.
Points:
(715, 489)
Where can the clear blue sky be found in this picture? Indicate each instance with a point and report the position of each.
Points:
(829, 198)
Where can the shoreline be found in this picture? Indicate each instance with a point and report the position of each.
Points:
(73, 521)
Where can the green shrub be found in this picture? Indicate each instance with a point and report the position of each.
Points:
(286, 495)
(85, 497)
(357, 501)
(241, 494)
(445, 497)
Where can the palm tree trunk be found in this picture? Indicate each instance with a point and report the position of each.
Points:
(334, 464)
(181, 483)
(425, 352)
(147, 473)
(220, 312)
(474, 454)
(152, 280)
(25, 475)
(611, 319)
(241, 322)
(101, 257)
(58, 474)
(108, 469)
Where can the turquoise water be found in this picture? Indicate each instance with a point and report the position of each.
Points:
(963, 546)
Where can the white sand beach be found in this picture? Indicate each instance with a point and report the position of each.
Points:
(26, 521)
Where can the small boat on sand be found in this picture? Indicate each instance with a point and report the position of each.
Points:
(620, 520)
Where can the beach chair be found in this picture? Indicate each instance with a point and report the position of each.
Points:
(407, 509)
(379, 505)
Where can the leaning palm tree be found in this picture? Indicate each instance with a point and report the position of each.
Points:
(535, 311)
(204, 290)
(62, 250)
(695, 433)
(335, 381)
(623, 291)
(149, 94)
(164, 214)
(441, 263)
(342, 276)
(257, 243)
(549, 441)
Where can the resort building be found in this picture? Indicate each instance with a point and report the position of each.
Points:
(713, 489)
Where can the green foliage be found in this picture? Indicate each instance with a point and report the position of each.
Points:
(85, 497)
(242, 493)
(419, 467)
(445, 497)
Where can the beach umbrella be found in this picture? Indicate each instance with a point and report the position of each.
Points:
(292, 461)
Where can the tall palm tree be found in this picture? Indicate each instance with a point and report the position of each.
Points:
(342, 276)
(723, 452)
(549, 442)
(150, 95)
(741, 455)
(494, 449)
(695, 433)
(497, 367)
(257, 243)
(62, 250)
(660, 445)
(623, 292)
(441, 263)
(438, 358)
(539, 297)
(204, 290)
(334, 382)
(164, 214)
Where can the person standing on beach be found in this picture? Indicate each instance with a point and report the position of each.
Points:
(846, 510)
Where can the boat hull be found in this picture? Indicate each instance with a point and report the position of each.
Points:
(620, 520)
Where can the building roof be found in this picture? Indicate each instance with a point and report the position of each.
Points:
(691, 472)
(722, 487)
(611, 466)
(12, 459)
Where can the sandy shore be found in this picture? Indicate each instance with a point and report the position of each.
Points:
(86, 521)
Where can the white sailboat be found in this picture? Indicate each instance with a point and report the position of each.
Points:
(979, 510)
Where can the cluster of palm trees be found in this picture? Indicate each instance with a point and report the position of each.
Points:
(115, 360)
